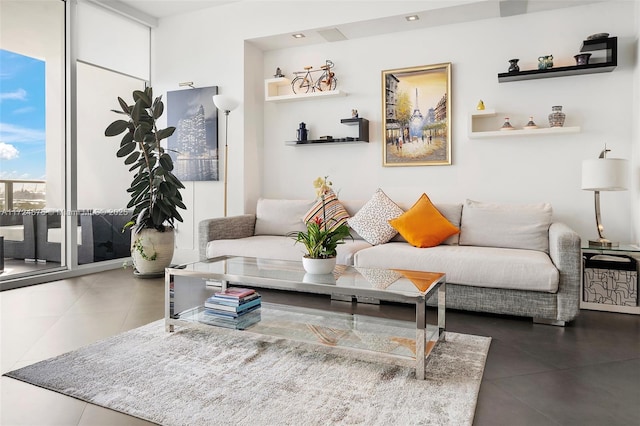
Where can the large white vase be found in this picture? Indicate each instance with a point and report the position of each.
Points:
(152, 250)
(319, 266)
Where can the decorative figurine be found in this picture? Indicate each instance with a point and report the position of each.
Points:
(507, 125)
(545, 62)
(531, 124)
(480, 106)
(278, 73)
(354, 113)
(513, 65)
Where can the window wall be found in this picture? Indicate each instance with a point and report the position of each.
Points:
(92, 55)
(32, 133)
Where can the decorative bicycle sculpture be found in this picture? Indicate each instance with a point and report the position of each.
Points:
(304, 79)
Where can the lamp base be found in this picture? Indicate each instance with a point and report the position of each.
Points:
(602, 243)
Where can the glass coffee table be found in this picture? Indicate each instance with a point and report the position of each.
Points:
(375, 339)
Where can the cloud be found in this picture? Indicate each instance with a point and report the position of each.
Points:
(17, 95)
(25, 110)
(8, 152)
(16, 134)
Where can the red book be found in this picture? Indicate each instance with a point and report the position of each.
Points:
(236, 292)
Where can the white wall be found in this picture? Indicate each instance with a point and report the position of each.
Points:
(200, 47)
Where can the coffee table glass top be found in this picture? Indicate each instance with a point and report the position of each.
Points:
(387, 284)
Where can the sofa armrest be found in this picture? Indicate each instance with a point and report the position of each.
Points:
(566, 253)
(224, 228)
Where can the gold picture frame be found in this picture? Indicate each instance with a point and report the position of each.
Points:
(416, 116)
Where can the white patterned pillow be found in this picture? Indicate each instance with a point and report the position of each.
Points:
(372, 220)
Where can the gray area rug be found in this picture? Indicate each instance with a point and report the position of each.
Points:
(194, 377)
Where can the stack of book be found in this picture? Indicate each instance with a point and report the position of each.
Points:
(235, 307)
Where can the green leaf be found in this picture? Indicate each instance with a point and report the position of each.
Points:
(142, 97)
(158, 108)
(141, 131)
(165, 133)
(126, 150)
(125, 108)
(127, 138)
(132, 158)
(166, 162)
(116, 128)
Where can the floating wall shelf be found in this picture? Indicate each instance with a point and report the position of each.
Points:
(363, 134)
(272, 92)
(609, 44)
(473, 134)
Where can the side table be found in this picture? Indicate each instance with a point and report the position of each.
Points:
(630, 250)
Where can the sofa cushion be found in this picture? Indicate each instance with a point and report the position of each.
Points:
(372, 220)
(280, 217)
(474, 266)
(522, 226)
(423, 225)
(328, 209)
(277, 247)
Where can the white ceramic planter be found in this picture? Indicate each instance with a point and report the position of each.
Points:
(319, 266)
(157, 250)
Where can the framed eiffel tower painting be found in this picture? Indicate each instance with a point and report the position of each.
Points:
(416, 111)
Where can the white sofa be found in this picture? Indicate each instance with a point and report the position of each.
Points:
(507, 259)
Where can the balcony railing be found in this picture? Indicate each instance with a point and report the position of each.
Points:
(24, 194)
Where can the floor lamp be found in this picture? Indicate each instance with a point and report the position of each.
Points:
(226, 104)
(603, 174)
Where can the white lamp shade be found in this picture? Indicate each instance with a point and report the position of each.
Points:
(604, 174)
(225, 103)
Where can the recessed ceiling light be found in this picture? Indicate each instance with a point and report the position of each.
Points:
(412, 17)
(297, 35)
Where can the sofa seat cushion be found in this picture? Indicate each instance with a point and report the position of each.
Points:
(474, 266)
(276, 247)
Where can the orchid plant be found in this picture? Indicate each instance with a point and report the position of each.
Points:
(321, 239)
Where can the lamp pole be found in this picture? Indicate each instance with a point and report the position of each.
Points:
(226, 104)
(226, 156)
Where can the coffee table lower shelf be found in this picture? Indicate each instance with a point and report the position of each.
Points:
(368, 338)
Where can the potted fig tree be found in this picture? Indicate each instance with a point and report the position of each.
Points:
(154, 190)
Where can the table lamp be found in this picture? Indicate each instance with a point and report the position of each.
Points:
(226, 104)
(603, 174)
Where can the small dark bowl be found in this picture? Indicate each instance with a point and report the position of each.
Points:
(582, 58)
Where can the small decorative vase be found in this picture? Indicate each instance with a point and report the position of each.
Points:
(302, 132)
(513, 65)
(556, 118)
(582, 59)
(531, 124)
(318, 266)
(507, 125)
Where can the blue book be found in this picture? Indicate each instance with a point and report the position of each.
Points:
(232, 302)
(229, 314)
(213, 303)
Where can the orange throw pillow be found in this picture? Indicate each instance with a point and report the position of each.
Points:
(423, 225)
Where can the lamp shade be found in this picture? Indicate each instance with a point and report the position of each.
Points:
(225, 103)
(604, 174)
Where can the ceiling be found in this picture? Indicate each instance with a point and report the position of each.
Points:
(431, 12)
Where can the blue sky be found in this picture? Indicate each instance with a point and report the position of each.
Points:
(22, 117)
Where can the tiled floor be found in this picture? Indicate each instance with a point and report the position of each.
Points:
(587, 373)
